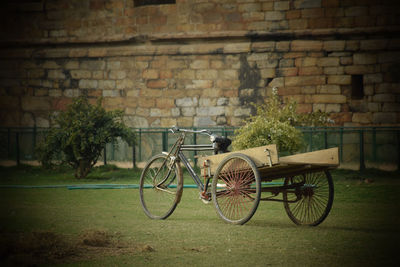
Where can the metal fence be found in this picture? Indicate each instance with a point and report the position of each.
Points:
(360, 147)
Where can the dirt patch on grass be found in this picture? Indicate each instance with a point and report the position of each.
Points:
(36, 248)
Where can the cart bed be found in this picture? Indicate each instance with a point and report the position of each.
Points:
(271, 167)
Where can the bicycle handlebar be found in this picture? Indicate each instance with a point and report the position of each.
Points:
(175, 129)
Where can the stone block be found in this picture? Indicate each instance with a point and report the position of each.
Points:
(207, 102)
(303, 71)
(203, 121)
(98, 74)
(298, 24)
(313, 13)
(352, 45)
(277, 82)
(242, 111)
(346, 60)
(29, 103)
(88, 84)
(78, 52)
(185, 121)
(216, 64)
(373, 78)
(124, 84)
(187, 102)
(383, 98)
(186, 74)
(334, 45)
(329, 99)
(165, 103)
(329, 89)
(304, 80)
(339, 79)
(304, 108)
(287, 72)
(384, 118)
(282, 46)
(106, 84)
(93, 65)
(359, 69)
(72, 92)
(80, 74)
(330, 108)
(228, 74)
(356, 11)
(263, 46)
(268, 73)
(333, 70)
(97, 52)
(150, 74)
(364, 118)
(364, 58)
(117, 74)
(249, 7)
(328, 62)
(201, 84)
(157, 84)
(35, 73)
(380, 44)
(306, 61)
(274, 15)
(166, 74)
(111, 93)
(146, 102)
(236, 48)
(200, 64)
(56, 74)
(207, 74)
(282, 5)
(391, 107)
(318, 107)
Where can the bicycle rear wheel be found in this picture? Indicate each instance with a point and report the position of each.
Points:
(236, 189)
(312, 200)
(160, 187)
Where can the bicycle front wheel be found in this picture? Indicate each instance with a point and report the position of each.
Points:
(236, 189)
(160, 187)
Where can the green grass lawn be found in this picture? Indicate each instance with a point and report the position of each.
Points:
(61, 227)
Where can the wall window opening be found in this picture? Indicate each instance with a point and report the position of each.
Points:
(357, 87)
(152, 2)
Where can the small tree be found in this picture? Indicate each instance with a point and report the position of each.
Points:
(275, 123)
(82, 133)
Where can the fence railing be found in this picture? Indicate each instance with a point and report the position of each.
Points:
(360, 147)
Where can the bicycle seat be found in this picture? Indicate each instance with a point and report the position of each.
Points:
(221, 144)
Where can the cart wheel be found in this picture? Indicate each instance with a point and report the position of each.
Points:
(236, 189)
(311, 200)
(160, 187)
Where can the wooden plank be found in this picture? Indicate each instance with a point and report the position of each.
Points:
(258, 155)
(325, 157)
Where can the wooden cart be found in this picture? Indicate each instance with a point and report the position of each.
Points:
(305, 187)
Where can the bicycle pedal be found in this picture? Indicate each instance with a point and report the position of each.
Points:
(204, 199)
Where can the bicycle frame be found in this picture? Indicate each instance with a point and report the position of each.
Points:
(177, 152)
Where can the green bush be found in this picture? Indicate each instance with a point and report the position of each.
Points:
(274, 123)
(83, 131)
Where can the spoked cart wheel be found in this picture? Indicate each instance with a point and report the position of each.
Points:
(160, 187)
(310, 197)
(236, 189)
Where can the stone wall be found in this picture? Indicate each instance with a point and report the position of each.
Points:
(201, 63)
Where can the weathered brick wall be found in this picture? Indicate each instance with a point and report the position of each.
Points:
(61, 21)
(203, 62)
